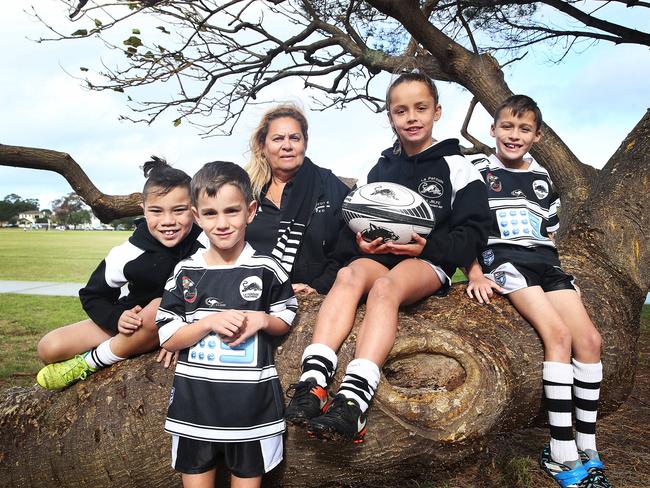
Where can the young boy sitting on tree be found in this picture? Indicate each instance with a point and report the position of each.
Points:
(220, 309)
(521, 262)
(121, 327)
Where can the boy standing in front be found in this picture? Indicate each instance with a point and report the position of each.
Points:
(521, 262)
(220, 308)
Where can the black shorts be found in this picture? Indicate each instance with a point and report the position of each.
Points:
(516, 267)
(243, 459)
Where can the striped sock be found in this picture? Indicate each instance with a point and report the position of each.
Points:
(558, 382)
(360, 382)
(318, 362)
(586, 391)
(102, 356)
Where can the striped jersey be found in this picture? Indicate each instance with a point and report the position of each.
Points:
(223, 393)
(523, 202)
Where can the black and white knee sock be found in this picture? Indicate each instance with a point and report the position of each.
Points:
(360, 382)
(558, 383)
(586, 392)
(318, 362)
(102, 356)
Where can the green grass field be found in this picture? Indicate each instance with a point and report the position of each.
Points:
(68, 256)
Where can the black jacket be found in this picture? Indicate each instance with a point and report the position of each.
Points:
(142, 262)
(454, 190)
(316, 264)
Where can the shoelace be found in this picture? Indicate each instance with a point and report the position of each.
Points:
(335, 412)
(296, 391)
(69, 374)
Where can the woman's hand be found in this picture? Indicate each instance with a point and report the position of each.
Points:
(374, 247)
(303, 289)
(412, 249)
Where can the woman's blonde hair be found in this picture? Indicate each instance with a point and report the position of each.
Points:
(258, 167)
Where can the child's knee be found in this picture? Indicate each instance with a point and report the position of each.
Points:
(382, 289)
(47, 349)
(558, 340)
(348, 278)
(590, 343)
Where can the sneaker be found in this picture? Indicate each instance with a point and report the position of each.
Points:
(592, 463)
(566, 476)
(63, 374)
(343, 420)
(308, 400)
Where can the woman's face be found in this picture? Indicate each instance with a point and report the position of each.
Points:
(284, 146)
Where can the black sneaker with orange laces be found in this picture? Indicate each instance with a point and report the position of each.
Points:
(343, 420)
(308, 400)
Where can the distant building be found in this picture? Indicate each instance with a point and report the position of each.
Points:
(28, 219)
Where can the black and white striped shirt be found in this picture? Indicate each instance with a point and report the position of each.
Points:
(224, 394)
(523, 202)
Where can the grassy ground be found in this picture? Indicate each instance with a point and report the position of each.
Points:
(68, 256)
(23, 320)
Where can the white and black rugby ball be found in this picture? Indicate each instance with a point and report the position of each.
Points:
(387, 210)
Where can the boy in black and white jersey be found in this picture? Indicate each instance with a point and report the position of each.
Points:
(521, 262)
(220, 308)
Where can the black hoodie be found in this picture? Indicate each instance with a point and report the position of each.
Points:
(454, 190)
(142, 262)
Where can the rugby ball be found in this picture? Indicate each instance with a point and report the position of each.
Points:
(387, 210)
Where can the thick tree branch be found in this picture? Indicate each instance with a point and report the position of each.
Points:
(105, 207)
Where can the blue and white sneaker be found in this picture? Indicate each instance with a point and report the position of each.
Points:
(591, 461)
(567, 476)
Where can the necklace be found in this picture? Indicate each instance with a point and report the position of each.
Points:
(274, 200)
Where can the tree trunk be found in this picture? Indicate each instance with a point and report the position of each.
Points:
(458, 372)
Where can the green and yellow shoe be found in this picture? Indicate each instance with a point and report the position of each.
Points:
(63, 374)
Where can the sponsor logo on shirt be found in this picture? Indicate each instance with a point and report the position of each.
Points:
(189, 289)
(540, 187)
(321, 207)
(213, 302)
(517, 193)
(250, 288)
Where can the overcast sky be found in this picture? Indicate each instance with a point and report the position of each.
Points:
(592, 101)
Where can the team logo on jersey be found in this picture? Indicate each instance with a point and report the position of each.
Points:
(251, 288)
(493, 181)
(189, 289)
(517, 193)
(431, 188)
(488, 257)
(213, 302)
(171, 396)
(540, 187)
(500, 278)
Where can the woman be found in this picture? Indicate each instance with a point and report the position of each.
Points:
(298, 217)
